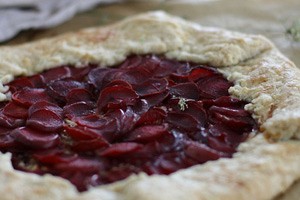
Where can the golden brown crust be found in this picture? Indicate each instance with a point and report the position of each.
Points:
(271, 83)
(260, 170)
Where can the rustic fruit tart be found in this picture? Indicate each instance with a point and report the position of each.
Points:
(153, 107)
(96, 125)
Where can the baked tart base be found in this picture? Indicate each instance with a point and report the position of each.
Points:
(260, 74)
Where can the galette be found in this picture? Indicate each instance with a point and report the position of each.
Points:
(152, 107)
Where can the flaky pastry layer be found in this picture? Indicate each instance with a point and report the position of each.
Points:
(261, 75)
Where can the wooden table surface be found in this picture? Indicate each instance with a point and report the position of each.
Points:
(272, 18)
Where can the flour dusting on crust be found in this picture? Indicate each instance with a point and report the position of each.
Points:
(261, 75)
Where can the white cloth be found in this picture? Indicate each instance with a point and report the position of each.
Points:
(17, 15)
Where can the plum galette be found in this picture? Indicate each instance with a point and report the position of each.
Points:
(152, 107)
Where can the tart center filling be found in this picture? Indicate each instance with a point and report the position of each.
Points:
(95, 126)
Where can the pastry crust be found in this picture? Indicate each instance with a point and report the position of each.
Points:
(261, 75)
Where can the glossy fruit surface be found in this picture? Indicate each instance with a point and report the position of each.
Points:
(95, 125)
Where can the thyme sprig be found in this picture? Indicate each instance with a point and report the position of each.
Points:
(182, 104)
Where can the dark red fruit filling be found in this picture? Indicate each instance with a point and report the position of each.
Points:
(94, 126)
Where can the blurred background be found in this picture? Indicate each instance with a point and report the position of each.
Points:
(22, 21)
(27, 20)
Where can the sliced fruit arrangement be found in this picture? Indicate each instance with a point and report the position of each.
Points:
(94, 125)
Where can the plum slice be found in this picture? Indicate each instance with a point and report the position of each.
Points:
(10, 122)
(29, 96)
(56, 74)
(35, 139)
(116, 97)
(151, 86)
(120, 149)
(78, 94)
(59, 89)
(147, 133)
(44, 105)
(93, 125)
(185, 90)
(45, 120)
(80, 108)
(152, 116)
(14, 110)
(213, 87)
